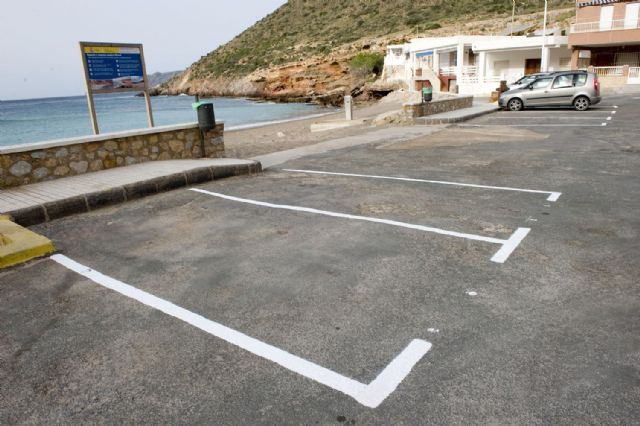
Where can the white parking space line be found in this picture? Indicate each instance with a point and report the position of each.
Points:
(547, 117)
(370, 395)
(500, 257)
(553, 196)
(531, 125)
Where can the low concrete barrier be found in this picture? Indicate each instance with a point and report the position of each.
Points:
(41, 161)
(413, 110)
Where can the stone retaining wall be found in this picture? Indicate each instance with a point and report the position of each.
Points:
(414, 110)
(37, 162)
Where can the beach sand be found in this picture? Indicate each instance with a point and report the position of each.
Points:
(246, 143)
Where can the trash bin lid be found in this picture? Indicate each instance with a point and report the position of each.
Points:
(198, 104)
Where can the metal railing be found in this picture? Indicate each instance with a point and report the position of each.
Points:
(634, 75)
(614, 25)
(609, 71)
(448, 70)
(469, 71)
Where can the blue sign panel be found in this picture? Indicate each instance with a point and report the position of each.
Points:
(113, 69)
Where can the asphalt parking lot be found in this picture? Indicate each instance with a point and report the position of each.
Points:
(486, 274)
(599, 115)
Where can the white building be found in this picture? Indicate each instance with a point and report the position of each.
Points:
(475, 64)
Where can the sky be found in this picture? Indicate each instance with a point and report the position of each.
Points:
(39, 53)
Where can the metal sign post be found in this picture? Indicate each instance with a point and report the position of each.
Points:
(113, 68)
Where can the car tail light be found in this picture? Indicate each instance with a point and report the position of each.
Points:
(595, 82)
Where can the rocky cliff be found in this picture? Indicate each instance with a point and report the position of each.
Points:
(303, 51)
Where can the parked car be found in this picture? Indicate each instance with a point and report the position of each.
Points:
(579, 89)
(527, 79)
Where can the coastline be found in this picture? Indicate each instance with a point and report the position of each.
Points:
(263, 137)
(267, 138)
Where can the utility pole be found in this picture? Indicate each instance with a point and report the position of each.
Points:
(513, 16)
(544, 61)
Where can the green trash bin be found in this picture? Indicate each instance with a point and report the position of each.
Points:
(427, 93)
(206, 116)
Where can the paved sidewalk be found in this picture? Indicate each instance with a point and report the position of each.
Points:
(390, 134)
(459, 115)
(40, 202)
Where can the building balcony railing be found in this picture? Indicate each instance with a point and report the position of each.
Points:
(447, 71)
(467, 70)
(614, 25)
(609, 71)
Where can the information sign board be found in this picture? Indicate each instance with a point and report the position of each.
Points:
(114, 67)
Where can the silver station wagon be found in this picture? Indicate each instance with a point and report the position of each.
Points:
(579, 89)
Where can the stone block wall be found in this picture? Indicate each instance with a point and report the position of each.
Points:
(414, 110)
(37, 162)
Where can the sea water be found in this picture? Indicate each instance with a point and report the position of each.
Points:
(35, 120)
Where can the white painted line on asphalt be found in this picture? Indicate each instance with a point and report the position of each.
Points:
(370, 395)
(609, 118)
(604, 124)
(553, 196)
(547, 117)
(512, 243)
(499, 259)
(529, 125)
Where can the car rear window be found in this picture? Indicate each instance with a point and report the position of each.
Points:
(579, 79)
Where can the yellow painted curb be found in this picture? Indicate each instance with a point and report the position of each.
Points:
(19, 245)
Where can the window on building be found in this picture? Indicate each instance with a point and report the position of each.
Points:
(628, 58)
(565, 63)
(500, 68)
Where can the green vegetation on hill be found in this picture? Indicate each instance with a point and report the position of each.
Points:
(366, 63)
(302, 28)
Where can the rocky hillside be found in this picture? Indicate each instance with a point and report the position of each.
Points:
(305, 49)
(161, 77)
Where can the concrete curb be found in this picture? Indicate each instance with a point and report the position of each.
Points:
(436, 121)
(19, 245)
(45, 212)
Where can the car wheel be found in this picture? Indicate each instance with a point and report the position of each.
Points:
(515, 105)
(581, 103)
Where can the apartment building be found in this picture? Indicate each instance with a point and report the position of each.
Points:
(473, 64)
(606, 38)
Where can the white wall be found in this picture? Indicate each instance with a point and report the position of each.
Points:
(517, 61)
(515, 68)
(394, 59)
(556, 56)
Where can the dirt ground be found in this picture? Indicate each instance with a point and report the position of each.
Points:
(262, 140)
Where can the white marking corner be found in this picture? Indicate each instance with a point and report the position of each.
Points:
(554, 196)
(371, 395)
(510, 245)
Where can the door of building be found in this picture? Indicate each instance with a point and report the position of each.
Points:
(631, 14)
(532, 66)
(606, 18)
